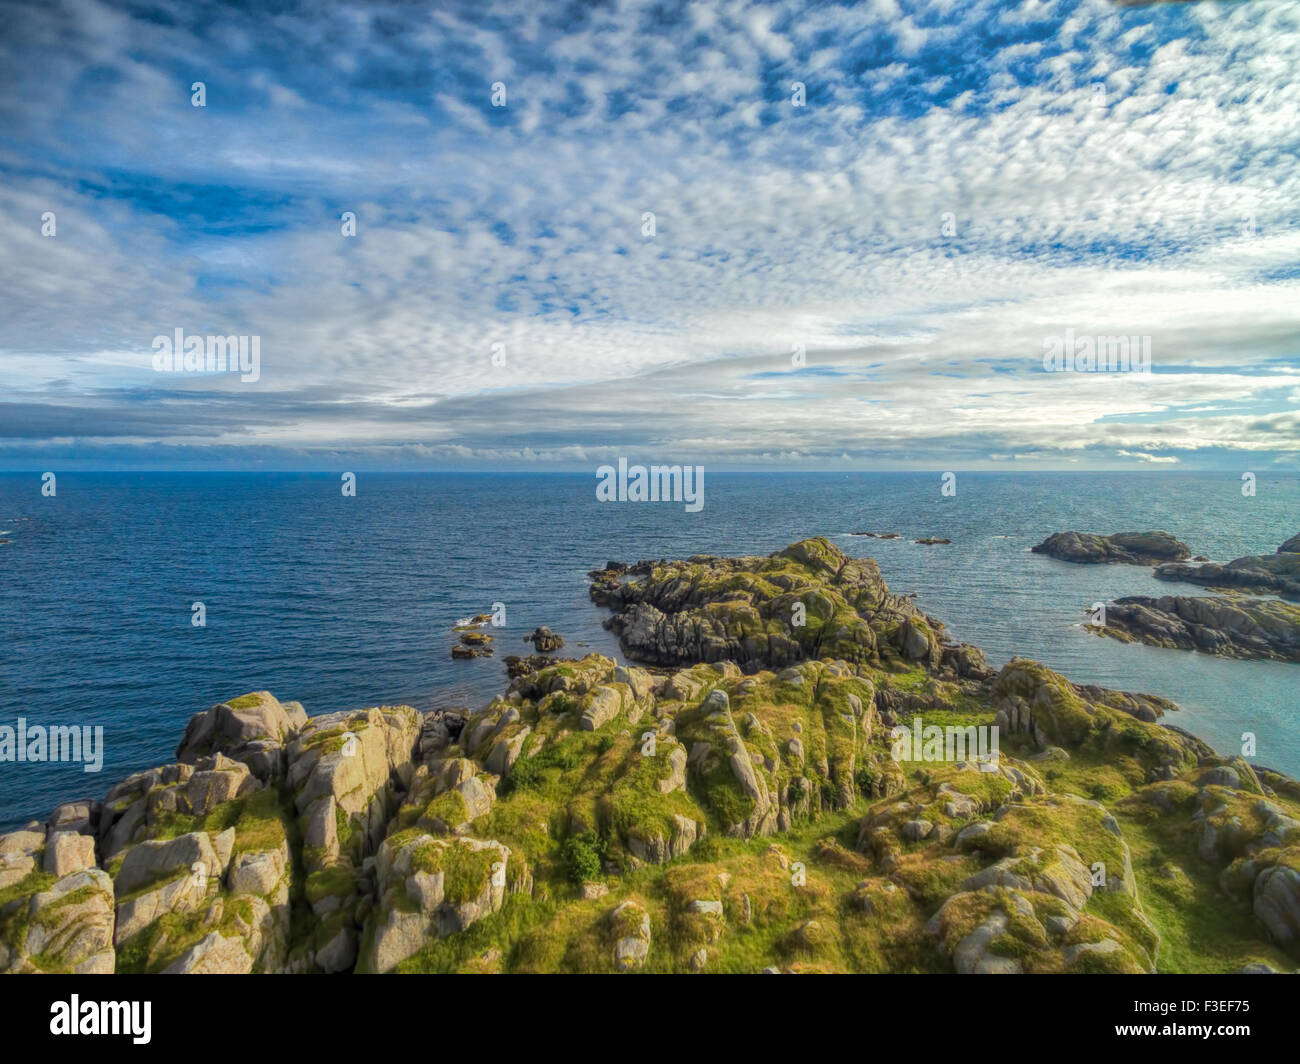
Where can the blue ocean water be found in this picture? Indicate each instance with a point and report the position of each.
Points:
(343, 602)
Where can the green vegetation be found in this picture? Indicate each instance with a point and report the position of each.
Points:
(582, 855)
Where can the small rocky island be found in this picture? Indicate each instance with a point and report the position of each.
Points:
(1264, 574)
(1127, 548)
(1233, 624)
(1231, 628)
(473, 642)
(544, 640)
(732, 803)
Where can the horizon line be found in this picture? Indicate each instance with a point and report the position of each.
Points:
(1163, 469)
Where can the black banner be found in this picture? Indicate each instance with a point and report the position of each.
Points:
(144, 1014)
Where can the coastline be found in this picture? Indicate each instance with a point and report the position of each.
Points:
(317, 835)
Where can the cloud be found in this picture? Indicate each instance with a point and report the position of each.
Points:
(1147, 457)
(941, 206)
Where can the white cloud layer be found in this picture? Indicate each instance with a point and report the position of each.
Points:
(941, 208)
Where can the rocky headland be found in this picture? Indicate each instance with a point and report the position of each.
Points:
(1232, 628)
(809, 601)
(729, 804)
(1263, 574)
(1127, 548)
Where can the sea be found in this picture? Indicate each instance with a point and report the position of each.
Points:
(346, 601)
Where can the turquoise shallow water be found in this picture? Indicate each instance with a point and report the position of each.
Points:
(345, 602)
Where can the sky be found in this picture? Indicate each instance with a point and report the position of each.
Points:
(796, 236)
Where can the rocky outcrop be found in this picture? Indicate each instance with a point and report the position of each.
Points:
(1233, 628)
(808, 601)
(523, 666)
(351, 763)
(158, 878)
(1128, 548)
(1275, 899)
(472, 642)
(138, 806)
(347, 772)
(162, 889)
(1027, 906)
(1032, 700)
(429, 888)
(68, 852)
(56, 906)
(630, 929)
(471, 650)
(252, 728)
(439, 728)
(543, 639)
(1263, 574)
(67, 928)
